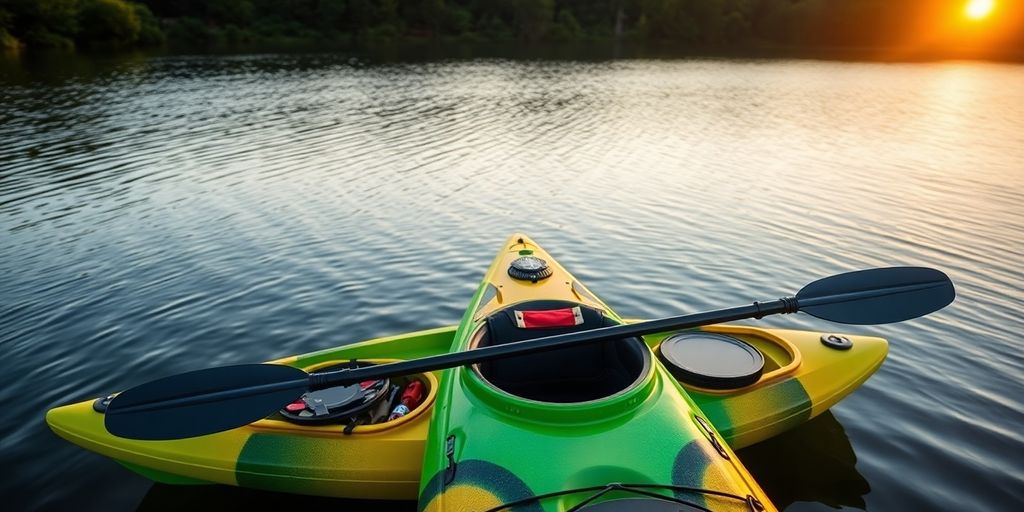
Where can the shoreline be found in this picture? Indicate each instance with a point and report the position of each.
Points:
(594, 50)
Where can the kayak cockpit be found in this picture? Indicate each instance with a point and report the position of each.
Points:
(570, 375)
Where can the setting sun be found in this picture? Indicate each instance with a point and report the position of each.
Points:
(978, 9)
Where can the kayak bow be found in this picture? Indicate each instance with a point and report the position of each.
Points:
(573, 418)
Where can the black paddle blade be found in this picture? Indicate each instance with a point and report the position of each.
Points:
(204, 402)
(877, 296)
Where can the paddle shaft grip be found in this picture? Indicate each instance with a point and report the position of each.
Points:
(519, 348)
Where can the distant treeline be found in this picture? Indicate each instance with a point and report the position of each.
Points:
(686, 23)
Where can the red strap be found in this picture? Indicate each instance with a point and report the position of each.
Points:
(567, 317)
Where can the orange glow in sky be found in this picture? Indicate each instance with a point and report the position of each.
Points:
(979, 9)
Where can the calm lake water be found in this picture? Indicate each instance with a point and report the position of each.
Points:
(165, 214)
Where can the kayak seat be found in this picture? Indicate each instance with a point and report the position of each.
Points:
(573, 374)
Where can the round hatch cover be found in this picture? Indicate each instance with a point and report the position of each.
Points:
(339, 403)
(709, 360)
(529, 268)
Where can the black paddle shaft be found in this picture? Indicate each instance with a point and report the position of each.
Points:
(480, 355)
(217, 399)
(874, 296)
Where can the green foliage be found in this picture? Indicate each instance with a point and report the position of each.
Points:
(7, 41)
(228, 12)
(533, 18)
(384, 33)
(56, 16)
(59, 23)
(683, 23)
(331, 15)
(191, 30)
(149, 30)
(566, 27)
(108, 22)
(737, 19)
(362, 14)
(734, 27)
(6, 19)
(431, 12)
(591, 15)
(496, 28)
(670, 20)
(456, 20)
(42, 23)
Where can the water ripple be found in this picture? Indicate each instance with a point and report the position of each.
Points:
(167, 214)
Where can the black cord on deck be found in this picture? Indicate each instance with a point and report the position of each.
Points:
(634, 488)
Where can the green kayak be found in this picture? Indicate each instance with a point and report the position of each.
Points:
(600, 425)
